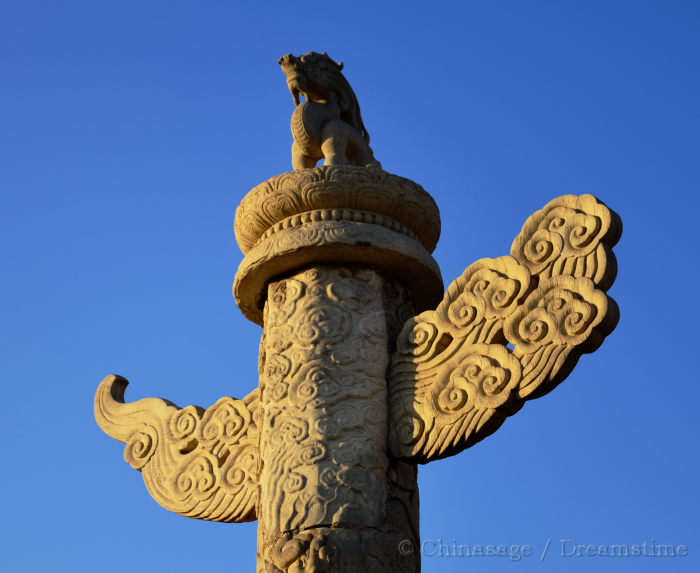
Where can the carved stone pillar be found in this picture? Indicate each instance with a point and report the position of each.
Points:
(331, 498)
(354, 389)
(327, 495)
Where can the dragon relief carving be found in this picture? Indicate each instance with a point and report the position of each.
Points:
(328, 124)
(508, 330)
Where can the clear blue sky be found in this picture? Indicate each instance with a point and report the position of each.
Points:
(129, 132)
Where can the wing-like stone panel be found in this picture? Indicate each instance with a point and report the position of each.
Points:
(508, 330)
(198, 463)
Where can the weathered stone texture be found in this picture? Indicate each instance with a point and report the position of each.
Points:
(327, 493)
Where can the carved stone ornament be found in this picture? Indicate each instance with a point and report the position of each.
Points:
(195, 462)
(337, 263)
(508, 330)
(336, 214)
(328, 125)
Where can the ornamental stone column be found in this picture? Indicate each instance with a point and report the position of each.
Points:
(335, 258)
(355, 388)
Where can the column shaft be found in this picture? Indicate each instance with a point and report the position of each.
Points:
(330, 498)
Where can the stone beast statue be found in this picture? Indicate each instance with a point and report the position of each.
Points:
(328, 124)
